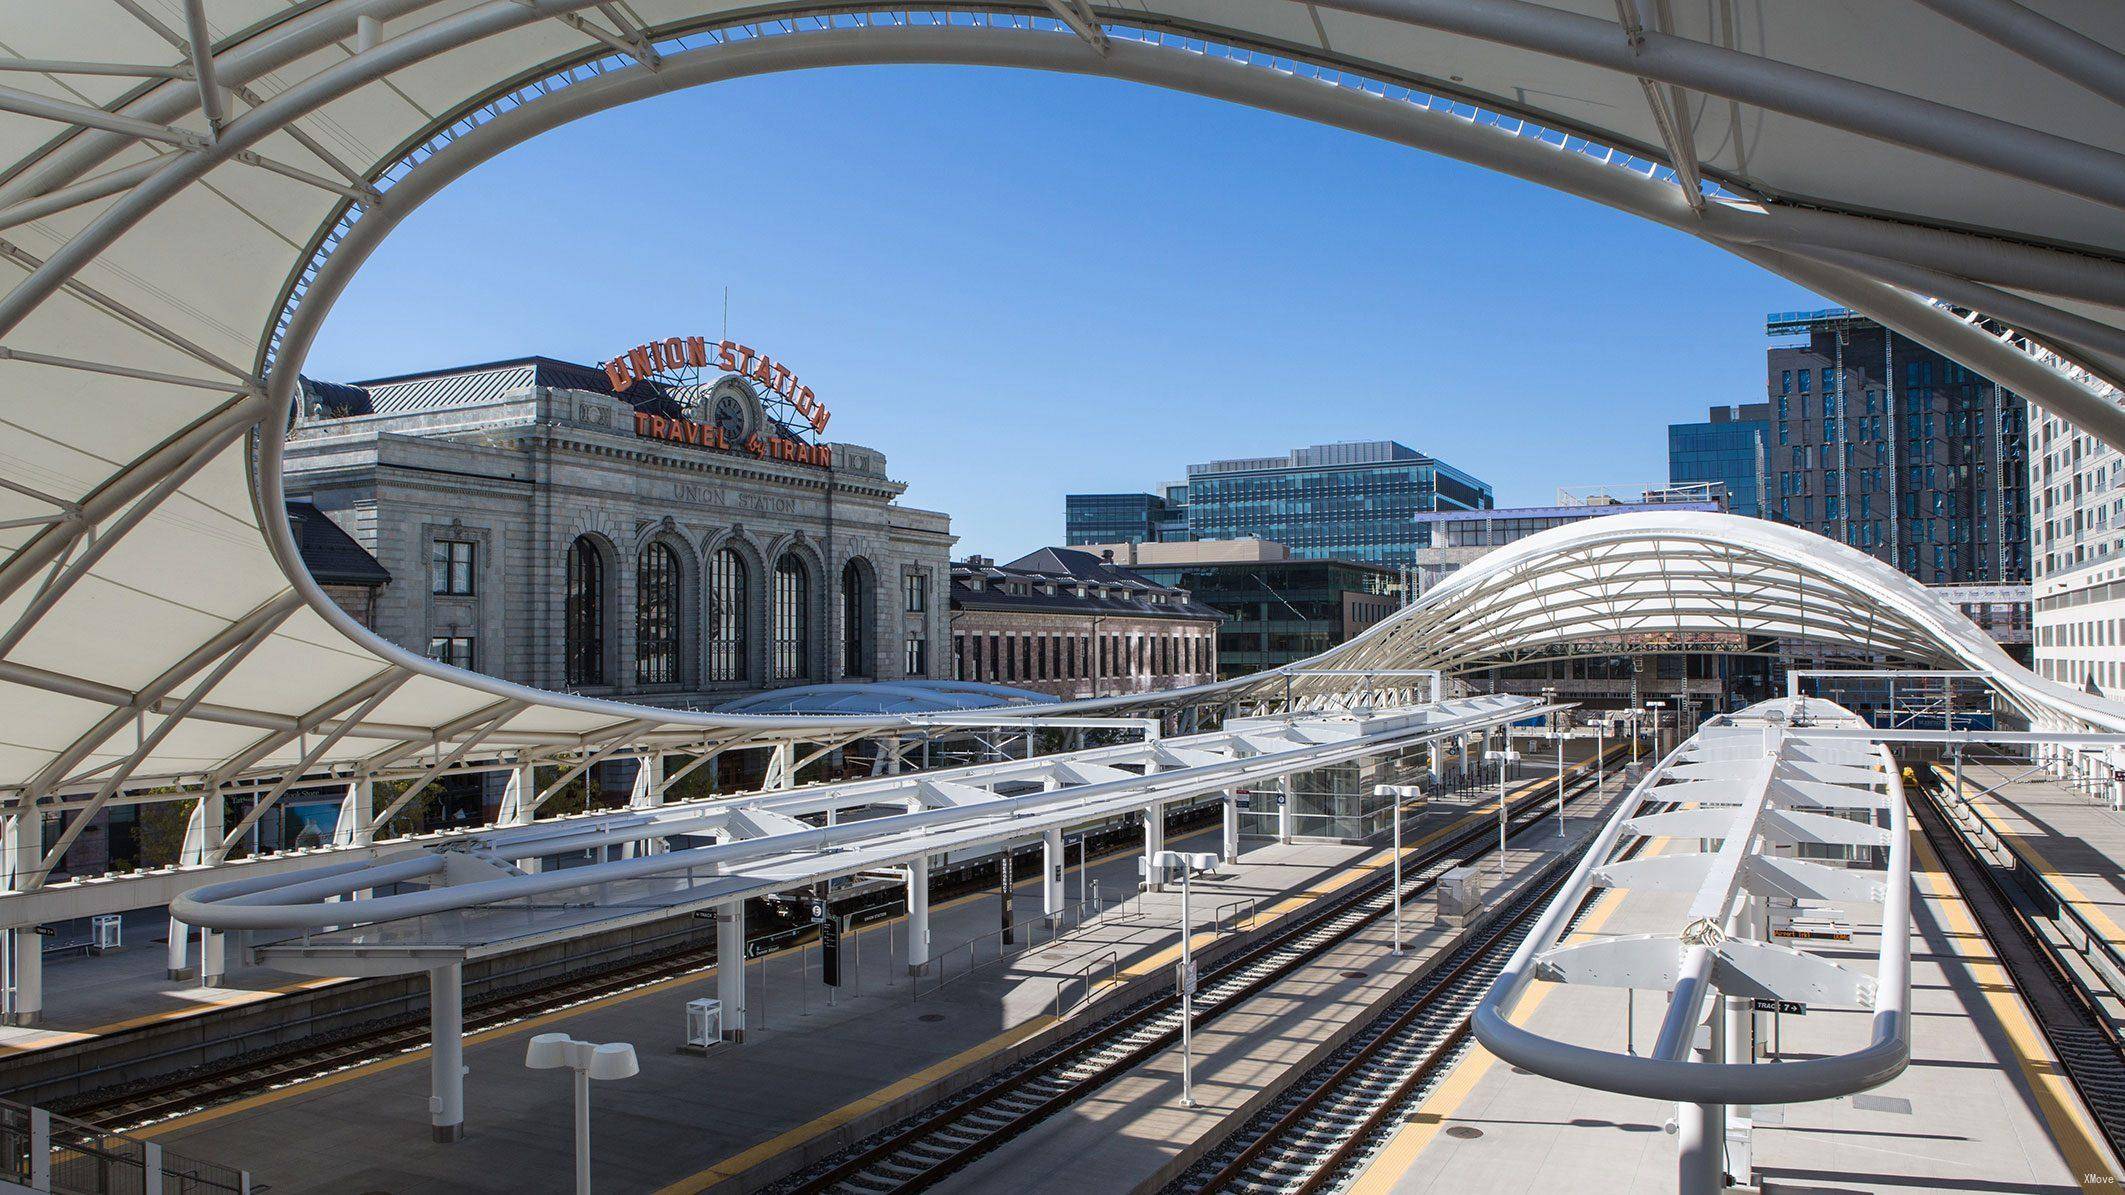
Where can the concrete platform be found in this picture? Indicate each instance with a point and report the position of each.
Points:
(809, 1077)
(1133, 1134)
(1982, 1107)
(2075, 840)
(95, 995)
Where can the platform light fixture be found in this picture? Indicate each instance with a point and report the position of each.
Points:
(589, 1060)
(1189, 863)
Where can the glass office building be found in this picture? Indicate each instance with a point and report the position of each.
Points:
(1730, 448)
(1280, 611)
(1126, 518)
(1883, 444)
(1347, 501)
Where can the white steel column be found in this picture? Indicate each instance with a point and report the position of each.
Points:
(918, 914)
(730, 967)
(648, 793)
(24, 845)
(1231, 805)
(1051, 875)
(1283, 809)
(446, 1062)
(202, 832)
(1154, 842)
(355, 811)
(518, 804)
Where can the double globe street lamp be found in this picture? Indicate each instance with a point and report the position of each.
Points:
(589, 1060)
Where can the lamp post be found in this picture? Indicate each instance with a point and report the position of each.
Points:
(589, 1060)
(1398, 793)
(1556, 729)
(1503, 757)
(1189, 865)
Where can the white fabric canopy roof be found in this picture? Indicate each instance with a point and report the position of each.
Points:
(163, 267)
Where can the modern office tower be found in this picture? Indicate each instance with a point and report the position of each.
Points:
(1126, 518)
(1731, 447)
(2077, 516)
(1355, 501)
(1278, 609)
(1888, 446)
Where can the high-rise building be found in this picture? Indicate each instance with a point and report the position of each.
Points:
(1731, 447)
(1886, 445)
(2077, 515)
(1353, 501)
(1278, 610)
(1126, 518)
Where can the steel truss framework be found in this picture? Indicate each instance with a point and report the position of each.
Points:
(1772, 797)
(180, 205)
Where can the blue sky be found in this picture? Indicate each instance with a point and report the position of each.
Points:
(1018, 286)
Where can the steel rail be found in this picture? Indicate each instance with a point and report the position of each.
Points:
(1142, 1028)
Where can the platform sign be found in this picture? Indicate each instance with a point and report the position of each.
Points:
(830, 952)
(1185, 976)
(1813, 929)
(817, 909)
(1791, 1007)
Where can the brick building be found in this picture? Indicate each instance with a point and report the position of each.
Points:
(1072, 624)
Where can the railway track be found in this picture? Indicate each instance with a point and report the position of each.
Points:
(924, 1149)
(2088, 1048)
(1328, 1121)
(133, 1106)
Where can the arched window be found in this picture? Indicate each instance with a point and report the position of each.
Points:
(855, 606)
(726, 616)
(790, 621)
(585, 629)
(657, 616)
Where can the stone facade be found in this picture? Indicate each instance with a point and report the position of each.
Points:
(523, 470)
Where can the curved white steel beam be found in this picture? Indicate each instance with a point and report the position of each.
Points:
(101, 241)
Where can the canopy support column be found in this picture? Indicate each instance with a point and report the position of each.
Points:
(1154, 842)
(918, 914)
(1231, 804)
(24, 853)
(1051, 874)
(1283, 810)
(730, 968)
(202, 829)
(648, 793)
(520, 804)
(446, 1029)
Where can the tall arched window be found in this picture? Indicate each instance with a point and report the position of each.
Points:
(790, 621)
(855, 606)
(657, 616)
(726, 616)
(585, 630)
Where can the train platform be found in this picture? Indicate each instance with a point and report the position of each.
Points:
(811, 1076)
(1983, 1106)
(94, 995)
(2071, 838)
(1134, 1135)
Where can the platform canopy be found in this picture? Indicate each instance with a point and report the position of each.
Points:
(186, 187)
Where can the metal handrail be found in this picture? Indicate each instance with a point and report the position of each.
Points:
(1084, 975)
(1886, 1054)
(1217, 915)
(971, 945)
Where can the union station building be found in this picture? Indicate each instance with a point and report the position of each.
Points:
(676, 536)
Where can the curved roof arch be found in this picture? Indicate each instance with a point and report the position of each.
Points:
(180, 202)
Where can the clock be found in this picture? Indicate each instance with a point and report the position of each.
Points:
(733, 408)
